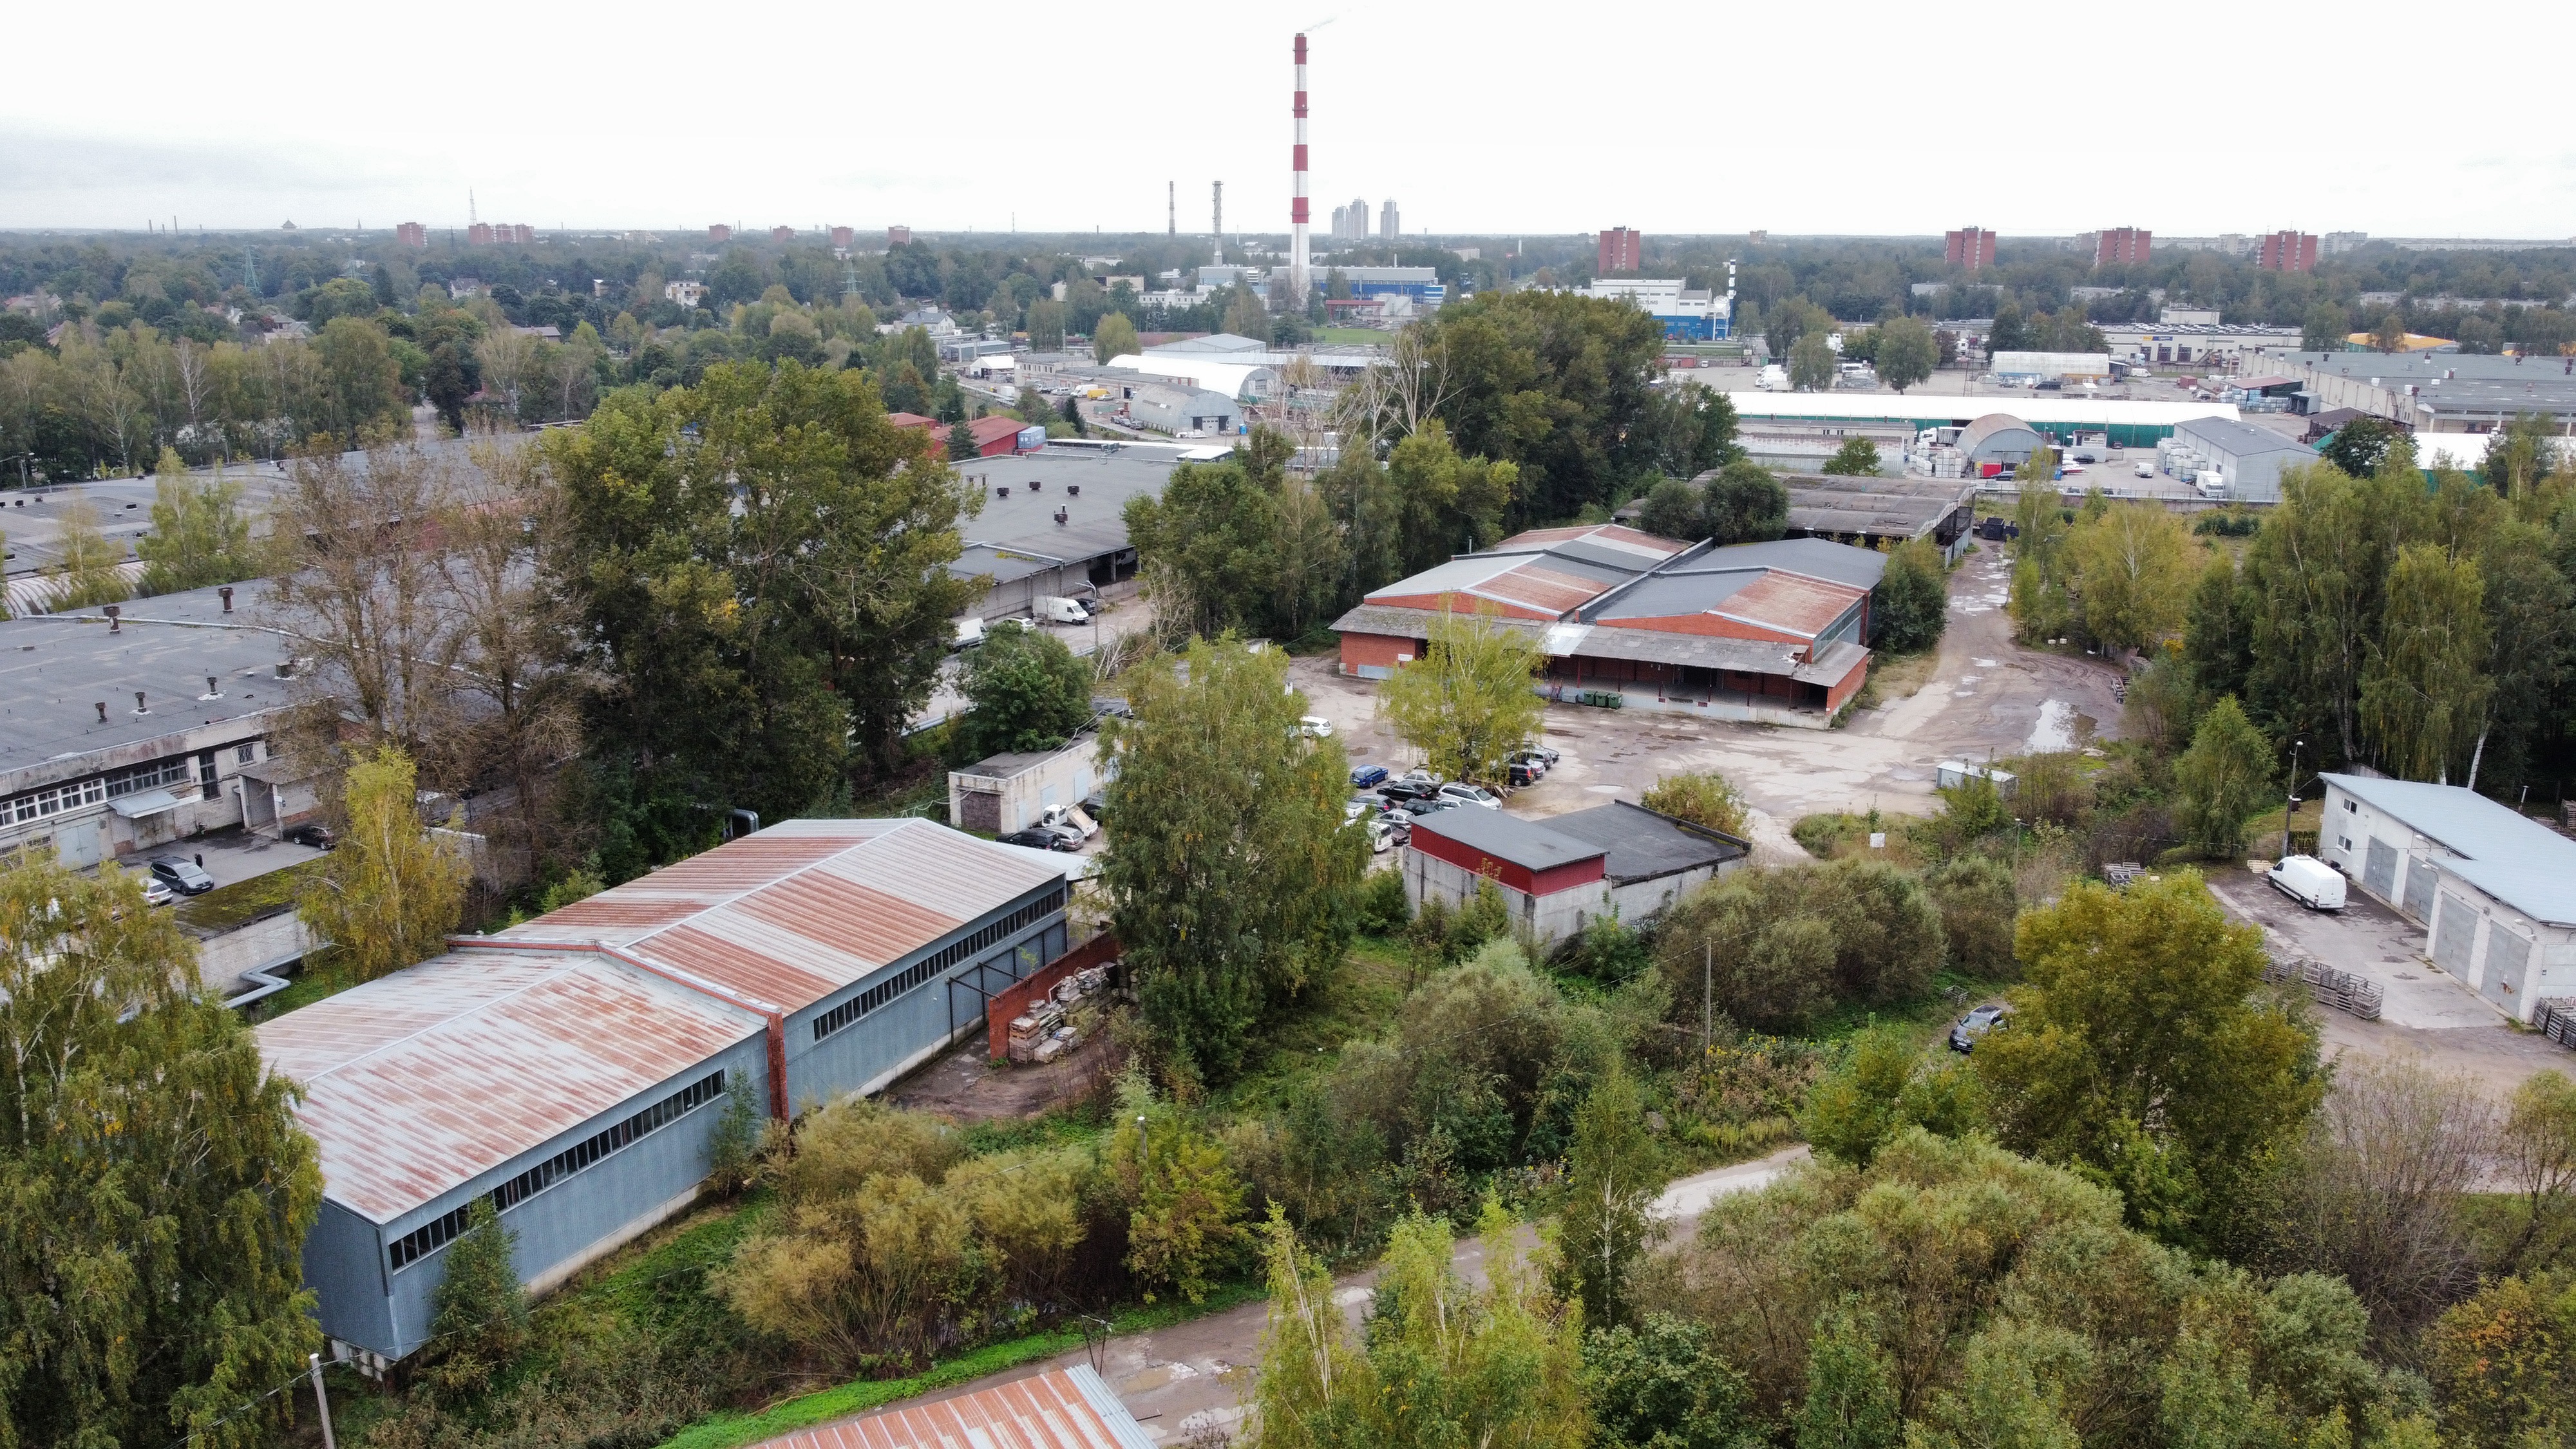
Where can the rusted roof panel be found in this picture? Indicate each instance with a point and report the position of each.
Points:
(1542, 588)
(424, 1079)
(827, 906)
(1058, 1409)
(1787, 602)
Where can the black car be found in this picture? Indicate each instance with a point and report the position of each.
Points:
(1519, 774)
(1975, 1024)
(1040, 839)
(318, 837)
(1397, 792)
(182, 875)
(1426, 805)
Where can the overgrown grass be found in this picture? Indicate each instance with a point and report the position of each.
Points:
(728, 1431)
(1358, 1002)
(227, 907)
(1896, 676)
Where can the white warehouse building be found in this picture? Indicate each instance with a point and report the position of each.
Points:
(2494, 891)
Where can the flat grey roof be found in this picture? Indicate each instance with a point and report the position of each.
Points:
(56, 668)
(1910, 507)
(2242, 439)
(1816, 557)
(1025, 521)
(1526, 843)
(1663, 595)
(1643, 844)
(2510, 856)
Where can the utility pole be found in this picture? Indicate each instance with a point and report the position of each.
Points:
(321, 1402)
(1707, 994)
(2293, 807)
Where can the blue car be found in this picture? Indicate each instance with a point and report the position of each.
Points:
(1367, 777)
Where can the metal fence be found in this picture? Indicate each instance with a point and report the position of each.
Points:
(2341, 990)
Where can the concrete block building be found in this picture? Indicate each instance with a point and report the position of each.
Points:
(2494, 891)
(1559, 873)
(2247, 459)
(1013, 791)
(574, 1068)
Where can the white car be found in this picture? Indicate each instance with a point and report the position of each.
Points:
(1466, 794)
(2144, 470)
(1315, 727)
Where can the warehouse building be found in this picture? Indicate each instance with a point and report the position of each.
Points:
(1563, 871)
(128, 726)
(2434, 392)
(2235, 461)
(574, 1069)
(1178, 408)
(2494, 890)
(1688, 314)
(1882, 513)
(1758, 631)
(2116, 421)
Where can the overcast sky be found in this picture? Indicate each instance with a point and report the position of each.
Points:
(1796, 118)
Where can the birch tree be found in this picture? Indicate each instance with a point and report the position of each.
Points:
(389, 894)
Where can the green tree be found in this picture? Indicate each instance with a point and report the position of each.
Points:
(362, 380)
(1114, 337)
(2140, 1054)
(1184, 1228)
(1907, 352)
(158, 1189)
(1447, 504)
(1467, 703)
(1046, 325)
(1231, 875)
(2224, 779)
(1245, 316)
(1706, 798)
(1208, 548)
(2131, 568)
(2360, 445)
(1072, 414)
(1026, 690)
(2326, 329)
(961, 442)
(1743, 503)
(2315, 573)
(1557, 384)
(2425, 688)
(199, 536)
(1856, 458)
(479, 1312)
(1611, 1179)
(2503, 1363)
(1672, 510)
(759, 568)
(1910, 604)
(388, 896)
(1659, 1385)
(2218, 629)
(85, 563)
(1812, 364)
(1776, 946)
(1851, 1400)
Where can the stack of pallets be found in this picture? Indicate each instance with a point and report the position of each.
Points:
(2342, 990)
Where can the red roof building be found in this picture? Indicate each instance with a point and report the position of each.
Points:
(1771, 631)
(998, 436)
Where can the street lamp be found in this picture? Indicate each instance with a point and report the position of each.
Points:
(2293, 807)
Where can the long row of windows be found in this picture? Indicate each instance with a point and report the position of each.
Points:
(117, 784)
(938, 961)
(428, 1238)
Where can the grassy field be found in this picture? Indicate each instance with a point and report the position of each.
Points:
(1363, 335)
(226, 907)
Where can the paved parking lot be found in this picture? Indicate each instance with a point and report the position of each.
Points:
(2429, 1014)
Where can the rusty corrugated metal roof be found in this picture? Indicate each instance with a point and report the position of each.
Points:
(786, 917)
(1790, 603)
(423, 1079)
(1058, 1409)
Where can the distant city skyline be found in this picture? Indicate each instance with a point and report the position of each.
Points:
(1523, 124)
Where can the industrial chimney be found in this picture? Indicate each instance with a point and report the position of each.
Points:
(1298, 265)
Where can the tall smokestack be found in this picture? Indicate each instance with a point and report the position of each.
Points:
(1216, 220)
(1171, 208)
(1298, 266)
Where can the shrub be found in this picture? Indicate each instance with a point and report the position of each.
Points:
(1704, 799)
(1975, 897)
(1786, 943)
(1383, 909)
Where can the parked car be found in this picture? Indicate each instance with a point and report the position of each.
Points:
(1110, 706)
(182, 874)
(1975, 1024)
(970, 632)
(1521, 773)
(1466, 794)
(1426, 804)
(1397, 792)
(1096, 805)
(1537, 755)
(1360, 805)
(318, 837)
(1038, 837)
(1384, 835)
(1367, 777)
(1315, 727)
(2309, 881)
(155, 893)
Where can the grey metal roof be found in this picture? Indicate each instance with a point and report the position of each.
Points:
(2244, 440)
(1816, 557)
(1525, 843)
(55, 669)
(1644, 844)
(1642, 646)
(2510, 856)
(1889, 507)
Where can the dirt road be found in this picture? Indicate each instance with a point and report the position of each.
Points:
(1191, 1378)
(1986, 697)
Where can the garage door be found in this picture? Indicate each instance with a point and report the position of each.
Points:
(2508, 963)
(2419, 888)
(2379, 876)
(2453, 934)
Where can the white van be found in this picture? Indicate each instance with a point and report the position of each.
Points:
(1773, 378)
(2309, 881)
(970, 632)
(1059, 611)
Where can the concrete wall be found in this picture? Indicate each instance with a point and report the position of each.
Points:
(1546, 919)
(1022, 800)
(85, 833)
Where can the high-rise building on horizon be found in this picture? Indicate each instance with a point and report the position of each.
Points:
(841, 237)
(1389, 223)
(719, 232)
(1357, 215)
(1970, 247)
(411, 234)
(782, 233)
(2287, 251)
(1621, 249)
(2121, 245)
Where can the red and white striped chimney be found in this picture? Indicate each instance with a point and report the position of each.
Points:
(1297, 254)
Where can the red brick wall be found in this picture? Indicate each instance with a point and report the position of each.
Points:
(1376, 649)
(1015, 1002)
(1840, 694)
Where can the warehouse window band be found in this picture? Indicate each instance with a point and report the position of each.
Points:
(428, 1238)
(940, 960)
(113, 786)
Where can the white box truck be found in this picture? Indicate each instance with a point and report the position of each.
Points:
(2309, 881)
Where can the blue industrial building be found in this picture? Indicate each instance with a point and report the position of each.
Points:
(1688, 314)
(1421, 284)
(575, 1069)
